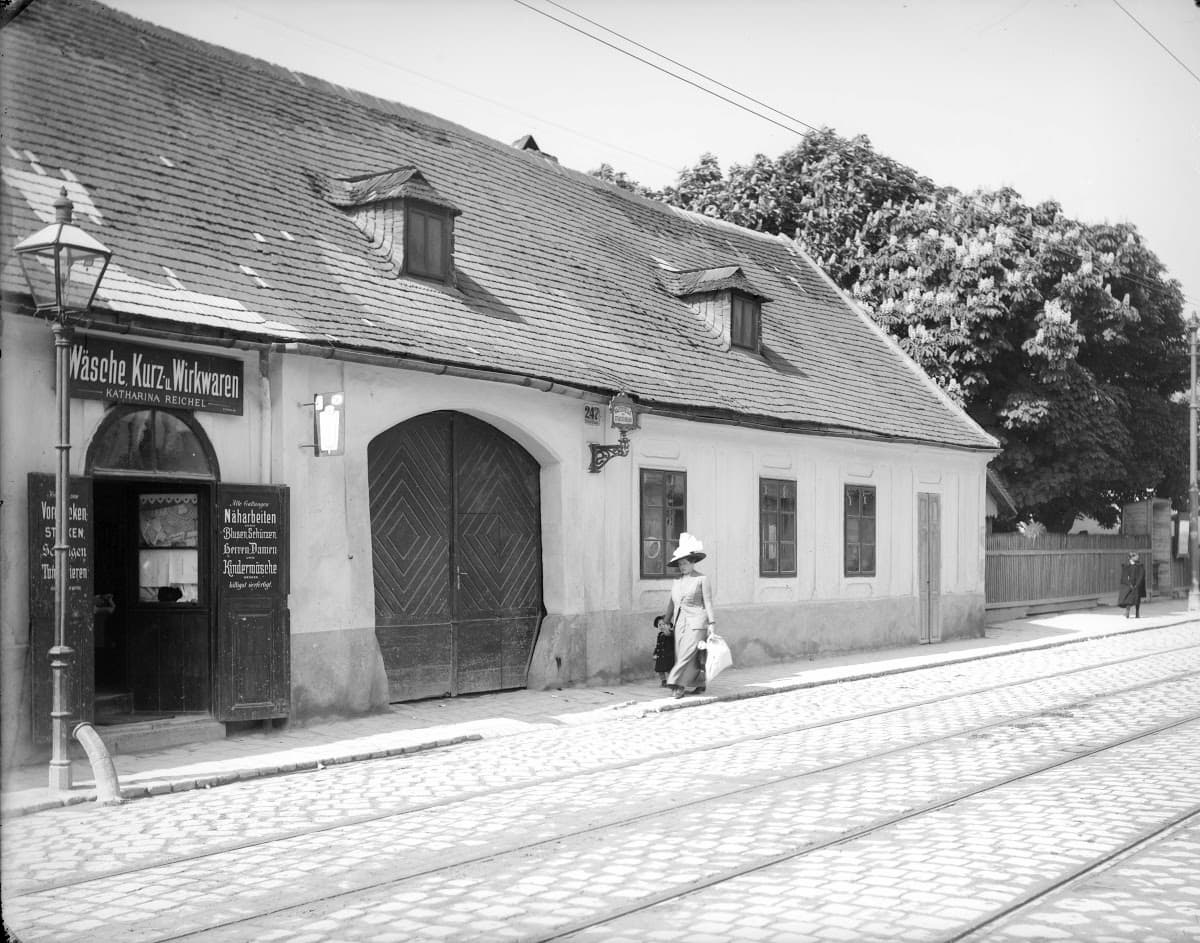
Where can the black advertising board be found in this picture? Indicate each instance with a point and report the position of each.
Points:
(252, 540)
(80, 601)
(121, 372)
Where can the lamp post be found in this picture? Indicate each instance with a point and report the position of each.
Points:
(63, 266)
(1193, 492)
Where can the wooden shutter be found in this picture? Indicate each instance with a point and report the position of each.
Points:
(81, 676)
(251, 580)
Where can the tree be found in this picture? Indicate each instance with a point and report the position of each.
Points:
(620, 179)
(1064, 340)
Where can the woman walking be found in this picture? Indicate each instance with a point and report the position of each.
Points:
(691, 612)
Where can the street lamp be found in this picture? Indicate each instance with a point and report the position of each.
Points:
(63, 266)
(1193, 325)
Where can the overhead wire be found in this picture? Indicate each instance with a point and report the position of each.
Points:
(845, 144)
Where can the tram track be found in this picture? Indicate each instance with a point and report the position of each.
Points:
(492, 857)
(1027, 901)
(785, 731)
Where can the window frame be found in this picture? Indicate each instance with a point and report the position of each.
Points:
(741, 307)
(428, 211)
(779, 541)
(847, 517)
(664, 536)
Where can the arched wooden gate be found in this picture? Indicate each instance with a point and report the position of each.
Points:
(456, 537)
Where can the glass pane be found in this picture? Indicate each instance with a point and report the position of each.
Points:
(851, 557)
(770, 500)
(676, 523)
(769, 561)
(868, 502)
(867, 530)
(652, 557)
(787, 527)
(176, 447)
(417, 238)
(868, 558)
(853, 501)
(153, 441)
(676, 491)
(652, 523)
(652, 489)
(852, 529)
(787, 558)
(168, 561)
(435, 240)
(787, 497)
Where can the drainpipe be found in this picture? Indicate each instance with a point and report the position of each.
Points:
(108, 790)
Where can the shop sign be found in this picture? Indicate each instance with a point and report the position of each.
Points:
(121, 372)
(252, 541)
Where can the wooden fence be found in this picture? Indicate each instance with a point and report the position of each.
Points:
(1052, 572)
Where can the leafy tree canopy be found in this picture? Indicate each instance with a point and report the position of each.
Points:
(1062, 339)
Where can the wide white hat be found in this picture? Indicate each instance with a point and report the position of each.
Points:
(689, 548)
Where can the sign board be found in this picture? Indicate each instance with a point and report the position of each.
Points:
(80, 607)
(121, 372)
(251, 541)
(591, 414)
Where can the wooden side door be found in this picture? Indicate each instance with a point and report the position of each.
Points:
(929, 566)
(80, 677)
(251, 577)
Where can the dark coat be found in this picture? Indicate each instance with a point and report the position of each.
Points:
(1133, 584)
(664, 651)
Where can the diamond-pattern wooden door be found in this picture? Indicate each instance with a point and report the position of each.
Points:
(457, 556)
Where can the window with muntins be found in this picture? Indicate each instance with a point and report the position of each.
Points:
(776, 527)
(744, 321)
(664, 518)
(426, 242)
(860, 530)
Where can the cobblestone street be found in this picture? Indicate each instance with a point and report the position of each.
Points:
(916, 806)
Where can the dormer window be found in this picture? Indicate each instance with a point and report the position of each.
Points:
(406, 221)
(725, 301)
(427, 241)
(745, 321)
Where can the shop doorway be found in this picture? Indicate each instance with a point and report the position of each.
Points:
(153, 478)
(456, 538)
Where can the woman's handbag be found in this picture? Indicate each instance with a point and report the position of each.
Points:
(719, 657)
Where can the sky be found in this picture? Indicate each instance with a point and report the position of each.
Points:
(1093, 103)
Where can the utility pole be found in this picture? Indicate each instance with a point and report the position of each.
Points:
(1193, 491)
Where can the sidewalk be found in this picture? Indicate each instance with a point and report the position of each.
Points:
(424, 725)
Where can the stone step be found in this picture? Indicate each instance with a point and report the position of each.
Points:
(149, 735)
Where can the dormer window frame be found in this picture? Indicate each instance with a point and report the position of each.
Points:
(424, 210)
(742, 305)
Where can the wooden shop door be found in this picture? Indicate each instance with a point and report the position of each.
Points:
(456, 539)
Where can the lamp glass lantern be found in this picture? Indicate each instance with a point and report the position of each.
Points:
(62, 264)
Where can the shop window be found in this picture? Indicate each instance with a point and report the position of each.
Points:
(168, 548)
(150, 440)
(860, 530)
(777, 527)
(664, 518)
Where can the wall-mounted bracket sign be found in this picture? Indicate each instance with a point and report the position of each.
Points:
(329, 424)
(121, 372)
(624, 417)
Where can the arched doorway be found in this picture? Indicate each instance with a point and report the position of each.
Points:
(153, 476)
(456, 537)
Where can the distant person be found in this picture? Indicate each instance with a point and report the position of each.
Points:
(664, 649)
(1133, 586)
(691, 613)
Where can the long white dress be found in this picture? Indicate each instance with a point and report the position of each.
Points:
(691, 604)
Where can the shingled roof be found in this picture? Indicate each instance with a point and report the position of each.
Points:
(214, 177)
